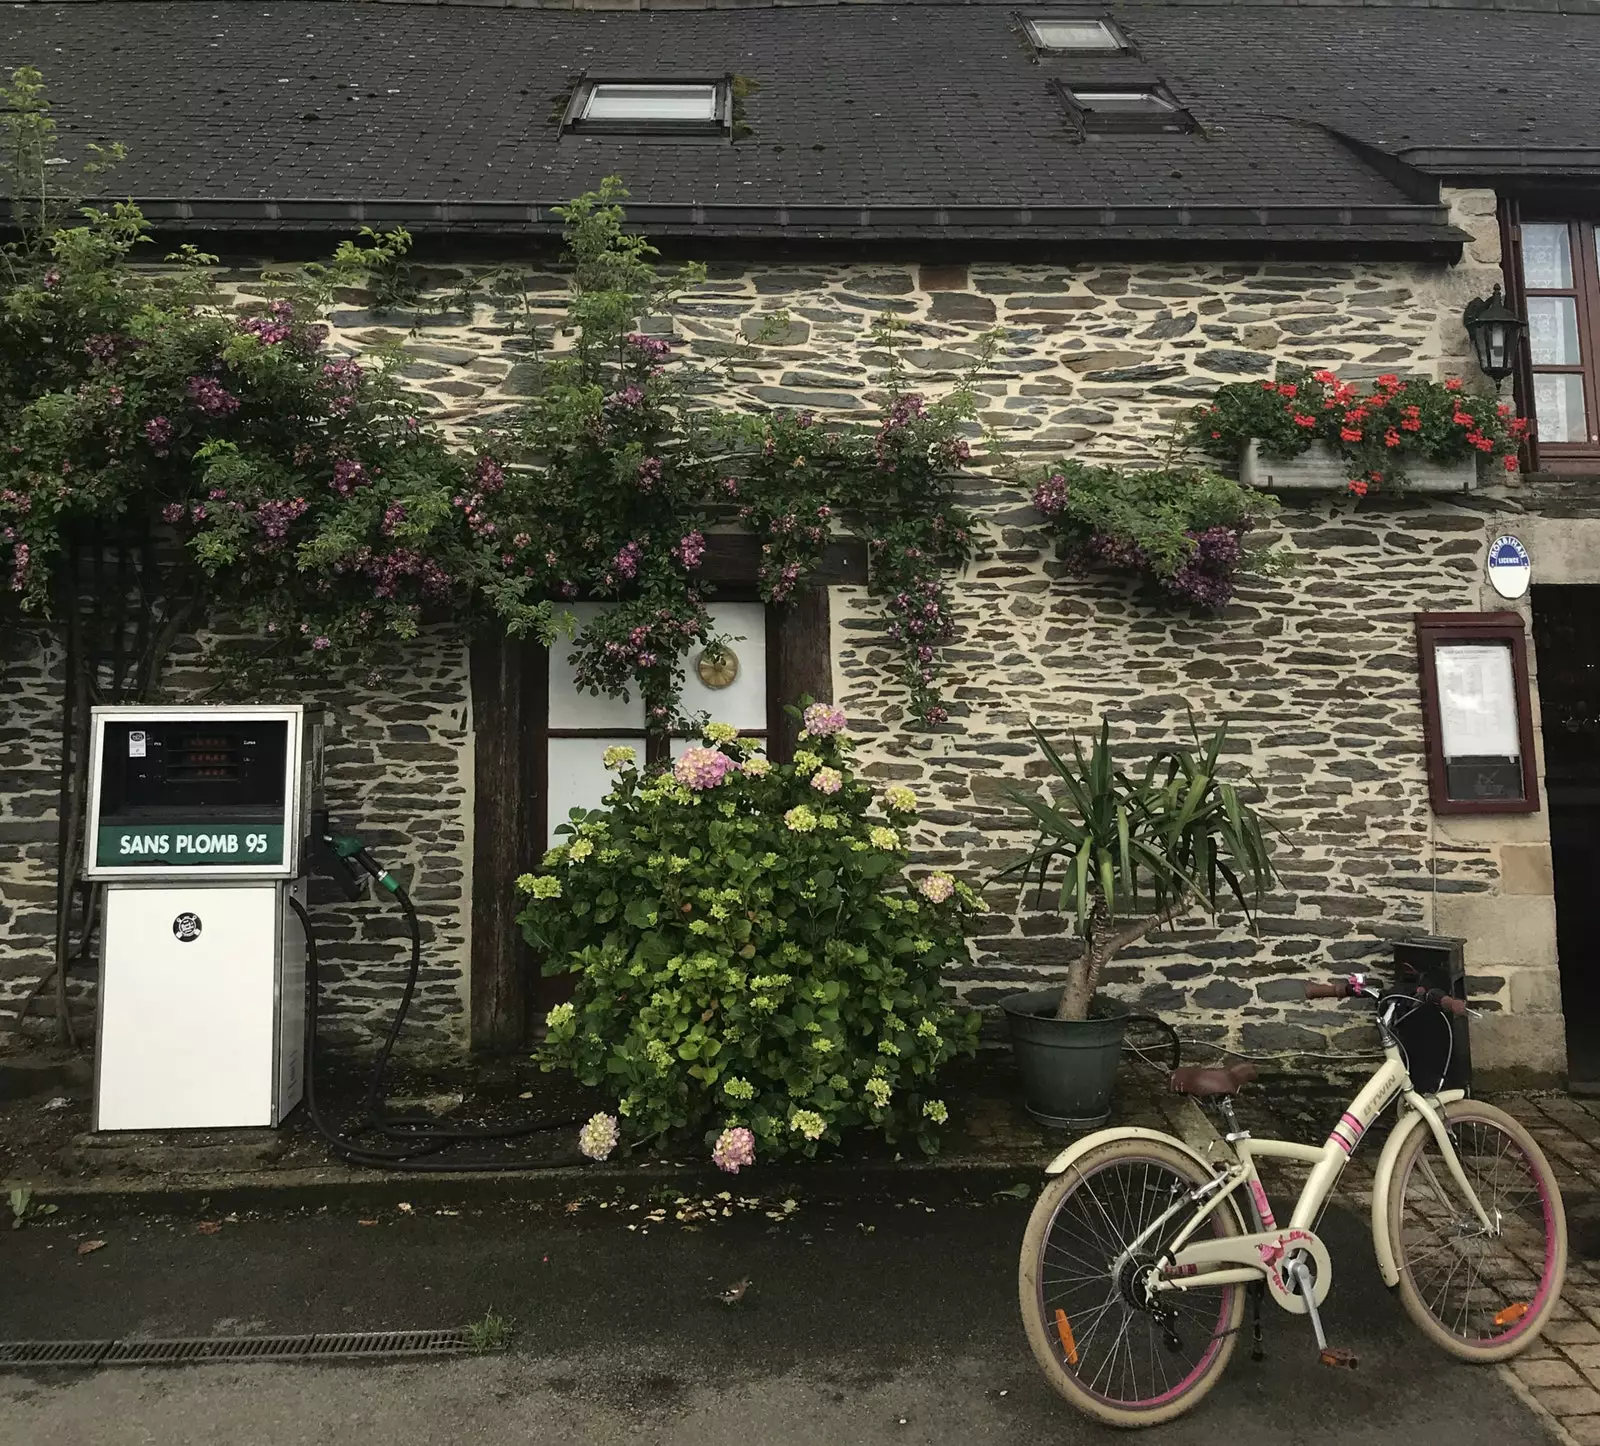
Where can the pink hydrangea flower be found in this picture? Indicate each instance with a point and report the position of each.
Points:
(936, 888)
(702, 768)
(824, 719)
(827, 780)
(734, 1149)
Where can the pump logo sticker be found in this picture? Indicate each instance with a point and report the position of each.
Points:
(186, 928)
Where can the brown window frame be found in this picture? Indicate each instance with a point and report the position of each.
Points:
(1583, 234)
(1500, 627)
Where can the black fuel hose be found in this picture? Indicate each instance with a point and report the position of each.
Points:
(415, 1139)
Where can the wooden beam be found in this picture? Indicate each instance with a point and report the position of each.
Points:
(800, 663)
(508, 686)
(735, 557)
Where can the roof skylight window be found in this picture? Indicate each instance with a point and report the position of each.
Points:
(1074, 35)
(1128, 108)
(648, 107)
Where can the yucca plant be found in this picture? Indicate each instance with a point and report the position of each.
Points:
(1129, 854)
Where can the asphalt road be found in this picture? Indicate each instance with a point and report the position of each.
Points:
(863, 1324)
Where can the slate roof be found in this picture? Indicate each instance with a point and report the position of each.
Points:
(881, 120)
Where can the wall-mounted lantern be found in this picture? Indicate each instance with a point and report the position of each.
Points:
(1494, 329)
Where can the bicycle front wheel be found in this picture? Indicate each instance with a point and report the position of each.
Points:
(1114, 1352)
(1481, 1294)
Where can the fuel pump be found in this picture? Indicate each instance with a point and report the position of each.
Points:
(203, 823)
(194, 825)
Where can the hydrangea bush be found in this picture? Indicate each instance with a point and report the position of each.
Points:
(753, 962)
(1183, 530)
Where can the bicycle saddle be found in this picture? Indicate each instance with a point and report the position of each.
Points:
(1210, 1079)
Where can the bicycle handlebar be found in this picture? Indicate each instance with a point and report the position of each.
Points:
(1341, 989)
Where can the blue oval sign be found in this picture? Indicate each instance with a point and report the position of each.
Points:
(1510, 567)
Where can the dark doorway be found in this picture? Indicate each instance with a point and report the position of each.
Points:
(1566, 634)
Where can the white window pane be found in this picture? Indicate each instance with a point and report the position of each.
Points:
(652, 102)
(1073, 35)
(571, 709)
(577, 778)
(1558, 408)
(743, 702)
(1553, 330)
(1546, 257)
(1477, 700)
(1123, 102)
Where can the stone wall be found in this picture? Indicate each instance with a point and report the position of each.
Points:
(1316, 674)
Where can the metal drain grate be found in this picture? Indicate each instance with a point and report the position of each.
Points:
(52, 1353)
(340, 1346)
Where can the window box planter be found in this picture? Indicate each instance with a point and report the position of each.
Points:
(1321, 469)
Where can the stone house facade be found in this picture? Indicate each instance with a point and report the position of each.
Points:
(1105, 348)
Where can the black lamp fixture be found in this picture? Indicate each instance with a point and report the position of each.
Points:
(1494, 329)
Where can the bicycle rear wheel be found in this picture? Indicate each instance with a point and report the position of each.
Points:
(1482, 1295)
(1114, 1354)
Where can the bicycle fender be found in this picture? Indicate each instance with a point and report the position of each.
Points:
(1409, 1122)
(1078, 1149)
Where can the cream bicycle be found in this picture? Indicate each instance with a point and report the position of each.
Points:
(1136, 1263)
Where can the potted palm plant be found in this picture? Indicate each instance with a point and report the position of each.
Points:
(1123, 855)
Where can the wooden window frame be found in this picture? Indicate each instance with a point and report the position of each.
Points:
(1583, 238)
(1499, 627)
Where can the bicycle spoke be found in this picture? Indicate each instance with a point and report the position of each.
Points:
(1474, 1282)
(1117, 1345)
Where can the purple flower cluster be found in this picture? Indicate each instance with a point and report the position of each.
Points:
(172, 512)
(627, 400)
(211, 398)
(1205, 578)
(267, 332)
(1050, 496)
(903, 411)
(386, 570)
(348, 474)
(651, 348)
(103, 347)
(691, 550)
(701, 768)
(626, 562)
(342, 379)
(20, 554)
(393, 515)
(780, 581)
(274, 517)
(490, 474)
(158, 433)
(649, 475)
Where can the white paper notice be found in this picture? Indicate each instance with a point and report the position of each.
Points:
(136, 743)
(1477, 700)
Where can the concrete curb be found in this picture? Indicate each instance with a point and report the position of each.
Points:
(345, 1187)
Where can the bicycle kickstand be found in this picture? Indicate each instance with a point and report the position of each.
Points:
(1259, 1289)
(1326, 1355)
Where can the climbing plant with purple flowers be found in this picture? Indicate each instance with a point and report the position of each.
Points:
(629, 467)
(1186, 531)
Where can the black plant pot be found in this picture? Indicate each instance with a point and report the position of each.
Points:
(1069, 1066)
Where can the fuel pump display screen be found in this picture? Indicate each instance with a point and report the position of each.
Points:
(191, 793)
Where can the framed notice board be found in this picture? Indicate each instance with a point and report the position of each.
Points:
(1477, 716)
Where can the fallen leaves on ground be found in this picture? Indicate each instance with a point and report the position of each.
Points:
(209, 1227)
(88, 1247)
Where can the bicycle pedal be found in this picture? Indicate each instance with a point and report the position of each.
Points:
(1337, 1356)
